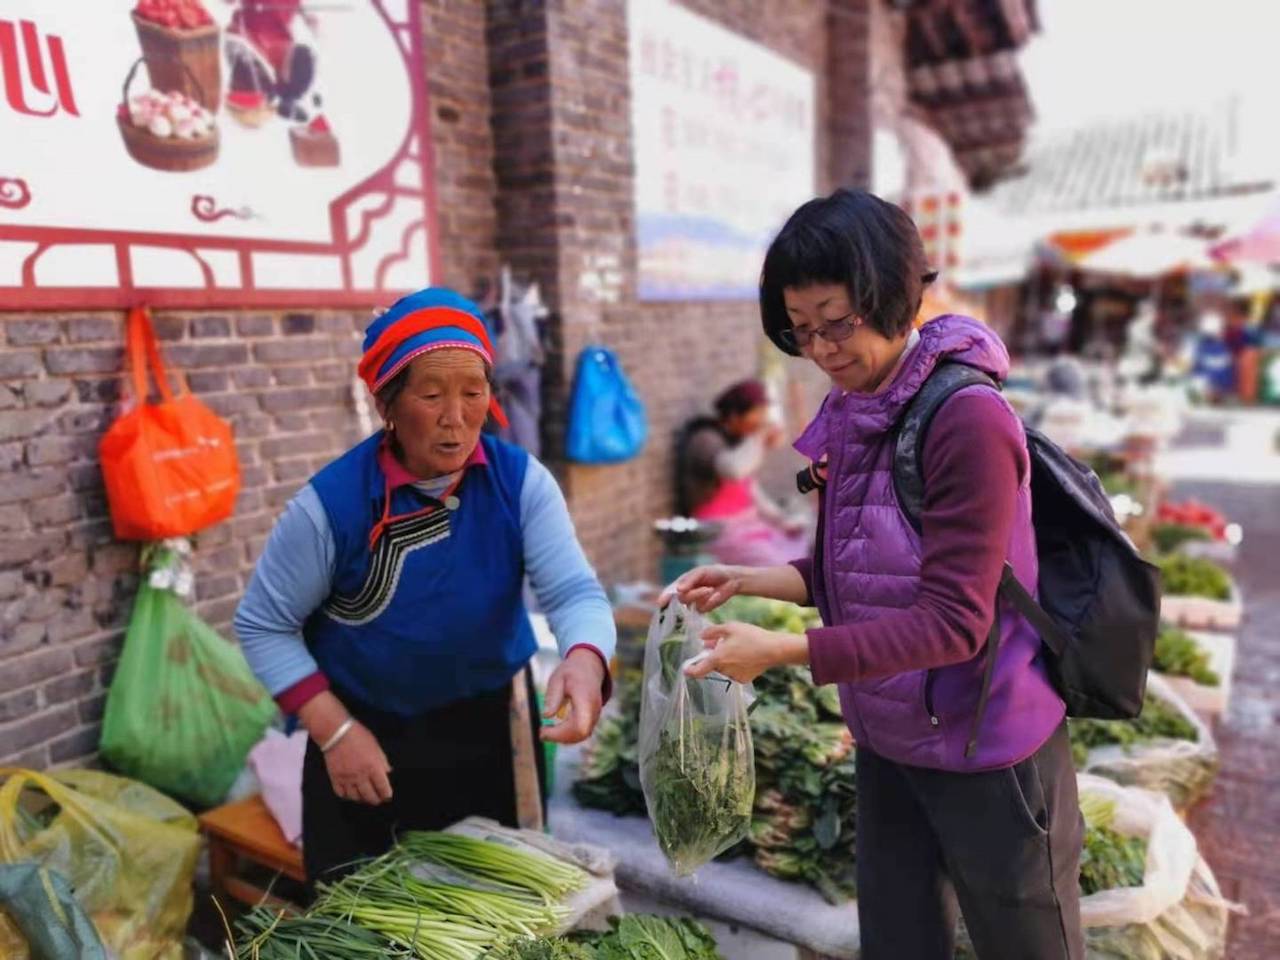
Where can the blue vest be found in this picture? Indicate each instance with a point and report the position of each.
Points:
(435, 613)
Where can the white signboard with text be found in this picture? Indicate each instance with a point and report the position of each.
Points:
(725, 144)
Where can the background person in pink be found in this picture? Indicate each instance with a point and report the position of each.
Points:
(717, 461)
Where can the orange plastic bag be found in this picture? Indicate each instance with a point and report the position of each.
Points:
(170, 467)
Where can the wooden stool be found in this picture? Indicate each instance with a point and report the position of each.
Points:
(245, 832)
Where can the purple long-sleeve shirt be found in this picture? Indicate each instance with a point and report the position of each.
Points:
(973, 465)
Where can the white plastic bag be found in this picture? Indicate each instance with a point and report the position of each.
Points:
(1178, 913)
(697, 763)
(1183, 770)
(277, 761)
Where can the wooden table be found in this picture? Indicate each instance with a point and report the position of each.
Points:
(245, 833)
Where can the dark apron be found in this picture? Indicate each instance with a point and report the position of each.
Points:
(446, 764)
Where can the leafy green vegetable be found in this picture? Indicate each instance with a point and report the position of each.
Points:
(1110, 860)
(541, 948)
(1169, 537)
(1186, 576)
(1159, 719)
(703, 790)
(697, 767)
(805, 808)
(806, 799)
(1178, 655)
(1118, 482)
(644, 937)
(767, 614)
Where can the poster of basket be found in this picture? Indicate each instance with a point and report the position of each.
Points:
(213, 152)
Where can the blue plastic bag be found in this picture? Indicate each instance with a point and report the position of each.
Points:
(606, 417)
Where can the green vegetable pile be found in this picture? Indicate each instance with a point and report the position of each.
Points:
(1159, 720)
(1178, 655)
(1116, 483)
(641, 937)
(1168, 537)
(631, 937)
(434, 896)
(609, 774)
(806, 799)
(767, 614)
(1110, 860)
(1193, 577)
(266, 934)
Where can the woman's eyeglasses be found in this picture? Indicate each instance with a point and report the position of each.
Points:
(833, 332)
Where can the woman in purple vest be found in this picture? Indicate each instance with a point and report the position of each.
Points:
(992, 832)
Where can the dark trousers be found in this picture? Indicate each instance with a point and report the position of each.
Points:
(1001, 848)
(446, 764)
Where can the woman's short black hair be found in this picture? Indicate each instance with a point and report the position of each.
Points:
(852, 238)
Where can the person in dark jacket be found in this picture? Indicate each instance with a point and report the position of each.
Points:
(995, 833)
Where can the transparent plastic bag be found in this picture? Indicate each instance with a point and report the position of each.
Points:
(127, 851)
(697, 764)
(1178, 913)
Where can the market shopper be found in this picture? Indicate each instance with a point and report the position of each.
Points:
(386, 610)
(995, 831)
(717, 462)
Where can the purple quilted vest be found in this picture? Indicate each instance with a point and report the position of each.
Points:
(870, 562)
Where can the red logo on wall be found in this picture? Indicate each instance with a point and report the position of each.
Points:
(31, 94)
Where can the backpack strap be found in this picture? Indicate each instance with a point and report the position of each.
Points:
(988, 669)
(1053, 636)
(908, 460)
(908, 482)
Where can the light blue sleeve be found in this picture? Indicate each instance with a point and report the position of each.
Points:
(292, 578)
(564, 583)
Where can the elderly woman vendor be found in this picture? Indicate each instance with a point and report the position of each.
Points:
(386, 610)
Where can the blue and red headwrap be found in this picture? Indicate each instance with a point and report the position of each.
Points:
(431, 319)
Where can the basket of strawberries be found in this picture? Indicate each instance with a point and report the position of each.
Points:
(180, 43)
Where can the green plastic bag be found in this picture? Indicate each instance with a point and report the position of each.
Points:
(128, 852)
(39, 903)
(184, 708)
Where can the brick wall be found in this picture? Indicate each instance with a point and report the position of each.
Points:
(559, 76)
(282, 379)
(531, 127)
(66, 586)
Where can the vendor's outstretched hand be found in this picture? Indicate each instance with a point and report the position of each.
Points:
(741, 651)
(576, 688)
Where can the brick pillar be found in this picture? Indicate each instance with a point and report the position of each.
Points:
(849, 81)
(559, 76)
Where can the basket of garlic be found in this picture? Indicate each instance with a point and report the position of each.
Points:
(167, 131)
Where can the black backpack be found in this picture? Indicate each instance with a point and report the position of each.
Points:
(1099, 607)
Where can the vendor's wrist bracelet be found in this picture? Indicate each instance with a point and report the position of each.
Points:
(338, 734)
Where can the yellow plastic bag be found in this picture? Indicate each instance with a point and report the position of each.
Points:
(128, 851)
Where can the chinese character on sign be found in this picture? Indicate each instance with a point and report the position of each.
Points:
(649, 54)
(31, 93)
